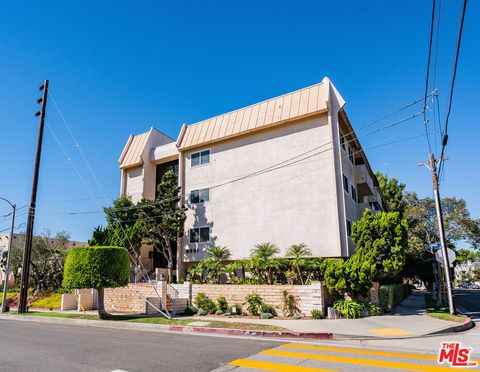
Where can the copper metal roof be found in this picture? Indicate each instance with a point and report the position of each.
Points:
(131, 154)
(291, 106)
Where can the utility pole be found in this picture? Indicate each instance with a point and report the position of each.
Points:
(22, 304)
(431, 165)
(7, 267)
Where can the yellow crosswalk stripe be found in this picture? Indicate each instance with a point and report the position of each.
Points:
(268, 366)
(358, 361)
(361, 351)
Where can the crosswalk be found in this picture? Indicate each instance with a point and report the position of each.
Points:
(296, 357)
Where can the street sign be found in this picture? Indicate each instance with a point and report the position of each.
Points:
(452, 256)
(433, 246)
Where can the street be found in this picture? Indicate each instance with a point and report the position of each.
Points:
(31, 346)
(468, 301)
(46, 347)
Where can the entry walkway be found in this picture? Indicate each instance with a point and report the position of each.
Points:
(408, 319)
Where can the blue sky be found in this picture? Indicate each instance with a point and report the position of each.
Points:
(117, 68)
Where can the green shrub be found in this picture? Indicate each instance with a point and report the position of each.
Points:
(317, 314)
(190, 310)
(290, 306)
(264, 308)
(202, 312)
(266, 315)
(205, 303)
(218, 312)
(235, 309)
(392, 294)
(222, 304)
(372, 309)
(350, 309)
(253, 302)
(96, 267)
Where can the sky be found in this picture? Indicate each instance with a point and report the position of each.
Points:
(119, 67)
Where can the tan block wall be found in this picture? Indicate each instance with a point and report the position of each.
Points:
(309, 297)
(130, 299)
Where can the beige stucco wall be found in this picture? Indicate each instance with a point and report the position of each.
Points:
(293, 204)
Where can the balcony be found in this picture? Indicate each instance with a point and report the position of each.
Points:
(364, 181)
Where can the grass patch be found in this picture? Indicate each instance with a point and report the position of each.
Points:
(52, 301)
(156, 320)
(440, 312)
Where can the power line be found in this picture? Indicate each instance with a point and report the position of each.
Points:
(450, 98)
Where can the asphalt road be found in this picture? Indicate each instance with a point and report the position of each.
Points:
(468, 301)
(28, 346)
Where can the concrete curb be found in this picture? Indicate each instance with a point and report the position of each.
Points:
(169, 328)
(243, 332)
(467, 324)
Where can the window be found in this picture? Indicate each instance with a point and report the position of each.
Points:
(199, 235)
(350, 155)
(200, 158)
(349, 227)
(342, 140)
(199, 196)
(345, 183)
(354, 193)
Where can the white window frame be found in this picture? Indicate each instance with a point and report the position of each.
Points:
(200, 154)
(345, 178)
(199, 235)
(199, 192)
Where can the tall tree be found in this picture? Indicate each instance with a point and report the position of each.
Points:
(163, 219)
(124, 229)
(392, 191)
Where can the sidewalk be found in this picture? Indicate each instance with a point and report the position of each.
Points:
(408, 320)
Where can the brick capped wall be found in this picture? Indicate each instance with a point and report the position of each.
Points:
(309, 297)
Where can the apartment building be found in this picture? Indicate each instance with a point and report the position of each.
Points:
(287, 170)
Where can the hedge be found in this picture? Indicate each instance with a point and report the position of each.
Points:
(392, 294)
(96, 267)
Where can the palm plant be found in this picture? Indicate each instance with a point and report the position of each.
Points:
(298, 252)
(214, 257)
(217, 253)
(263, 259)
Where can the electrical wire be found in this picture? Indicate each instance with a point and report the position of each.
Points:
(452, 86)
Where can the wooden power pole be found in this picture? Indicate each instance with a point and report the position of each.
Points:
(431, 165)
(22, 304)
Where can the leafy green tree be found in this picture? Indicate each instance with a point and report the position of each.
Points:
(298, 252)
(467, 255)
(46, 260)
(380, 248)
(392, 191)
(101, 236)
(99, 268)
(421, 217)
(163, 219)
(263, 259)
(124, 229)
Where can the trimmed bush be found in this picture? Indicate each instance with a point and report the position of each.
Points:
(205, 303)
(52, 301)
(235, 309)
(264, 308)
(253, 302)
(190, 310)
(218, 312)
(392, 294)
(222, 304)
(202, 312)
(317, 314)
(97, 267)
(266, 316)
